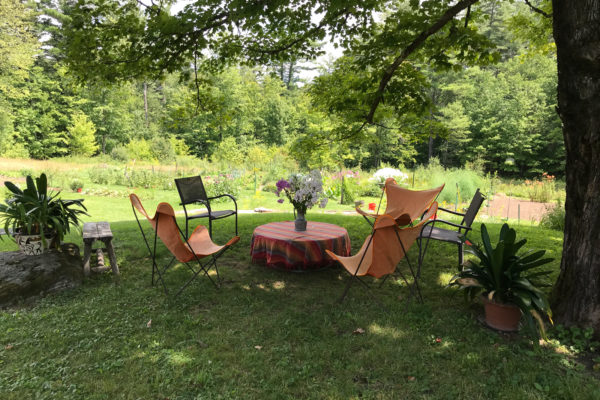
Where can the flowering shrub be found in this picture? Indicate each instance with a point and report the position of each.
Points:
(554, 218)
(382, 174)
(541, 190)
(303, 191)
(331, 187)
(221, 184)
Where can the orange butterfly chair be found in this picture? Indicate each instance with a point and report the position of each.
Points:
(403, 205)
(199, 245)
(384, 249)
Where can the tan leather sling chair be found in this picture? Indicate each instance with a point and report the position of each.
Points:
(384, 249)
(404, 205)
(198, 246)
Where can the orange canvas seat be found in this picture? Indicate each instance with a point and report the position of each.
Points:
(404, 205)
(198, 246)
(384, 249)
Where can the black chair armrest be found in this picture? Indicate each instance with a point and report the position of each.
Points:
(451, 212)
(434, 221)
(225, 195)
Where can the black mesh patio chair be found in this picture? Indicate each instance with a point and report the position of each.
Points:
(191, 191)
(452, 235)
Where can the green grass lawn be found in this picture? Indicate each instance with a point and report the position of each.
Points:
(269, 334)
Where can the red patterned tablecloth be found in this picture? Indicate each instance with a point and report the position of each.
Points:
(278, 245)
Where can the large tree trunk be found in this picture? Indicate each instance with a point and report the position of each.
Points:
(576, 296)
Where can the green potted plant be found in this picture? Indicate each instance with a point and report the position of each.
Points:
(37, 218)
(76, 185)
(507, 281)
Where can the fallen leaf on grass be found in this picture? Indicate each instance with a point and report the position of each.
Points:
(358, 331)
(8, 347)
(149, 324)
(258, 347)
(411, 378)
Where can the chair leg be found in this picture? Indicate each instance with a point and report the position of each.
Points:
(210, 226)
(460, 256)
(383, 280)
(421, 256)
(236, 224)
(346, 289)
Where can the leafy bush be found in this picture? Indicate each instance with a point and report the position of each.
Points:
(270, 188)
(351, 190)
(229, 152)
(459, 182)
(140, 149)
(554, 218)
(331, 187)
(280, 164)
(162, 149)
(150, 179)
(369, 188)
(577, 339)
(107, 175)
(16, 150)
(76, 184)
(81, 135)
(179, 146)
(221, 184)
(541, 190)
(119, 153)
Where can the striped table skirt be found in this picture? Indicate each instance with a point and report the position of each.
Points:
(278, 245)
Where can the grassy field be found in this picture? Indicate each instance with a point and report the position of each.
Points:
(269, 334)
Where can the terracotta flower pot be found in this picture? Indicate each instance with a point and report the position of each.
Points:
(504, 317)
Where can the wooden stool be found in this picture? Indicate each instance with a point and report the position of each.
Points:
(93, 231)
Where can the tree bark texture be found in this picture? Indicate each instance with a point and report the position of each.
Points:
(576, 296)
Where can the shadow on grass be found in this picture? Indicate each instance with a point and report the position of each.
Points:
(270, 334)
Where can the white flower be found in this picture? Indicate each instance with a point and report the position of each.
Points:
(382, 174)
(306, 189)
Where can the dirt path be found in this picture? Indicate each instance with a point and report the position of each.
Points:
(502, 206)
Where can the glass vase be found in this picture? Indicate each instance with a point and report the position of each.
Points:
(300, 222)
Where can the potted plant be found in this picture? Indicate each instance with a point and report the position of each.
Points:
(76, 185)
(38, 218)
(507, 281)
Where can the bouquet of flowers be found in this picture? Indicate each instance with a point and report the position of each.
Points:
(303, 191)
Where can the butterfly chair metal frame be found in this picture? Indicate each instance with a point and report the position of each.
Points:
(407, 216)
(449, 235)
(191, 191)
(160, 272)
(414, 288)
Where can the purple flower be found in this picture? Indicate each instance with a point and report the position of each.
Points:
(280, 201)
(282, 184)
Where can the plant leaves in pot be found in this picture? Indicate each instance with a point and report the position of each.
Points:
(506, 279)
(38, 213)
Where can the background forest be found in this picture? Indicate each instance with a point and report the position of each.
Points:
(499, 117)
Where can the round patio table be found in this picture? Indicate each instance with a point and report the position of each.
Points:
(278, 245)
